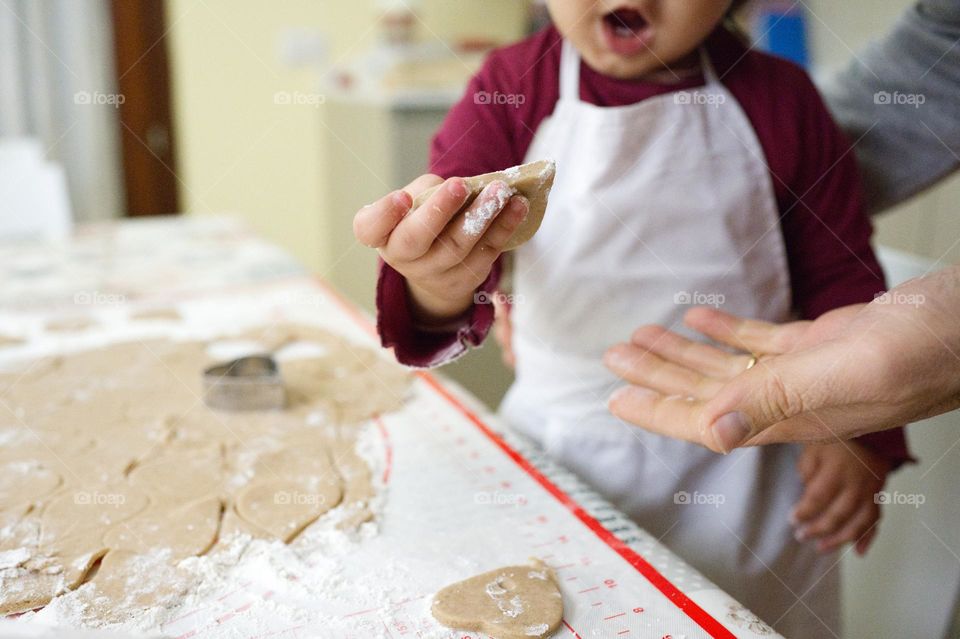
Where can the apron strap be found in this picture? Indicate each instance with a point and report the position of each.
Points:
(710, 76)
(569, 72)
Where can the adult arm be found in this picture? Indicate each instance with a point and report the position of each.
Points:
(898, 101)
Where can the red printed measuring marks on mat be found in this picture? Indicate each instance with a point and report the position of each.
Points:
(701, 617)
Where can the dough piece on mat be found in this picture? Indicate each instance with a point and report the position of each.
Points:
(533, 181)
(284, 507)
(25, 481)
(516, 602)
(186, 531)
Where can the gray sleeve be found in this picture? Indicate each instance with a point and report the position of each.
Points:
(901, 99)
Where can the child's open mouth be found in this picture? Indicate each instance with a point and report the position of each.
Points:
(627, 31)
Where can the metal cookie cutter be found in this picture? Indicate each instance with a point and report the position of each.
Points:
(248, 383)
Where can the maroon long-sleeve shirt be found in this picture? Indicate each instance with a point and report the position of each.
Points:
(812, 167)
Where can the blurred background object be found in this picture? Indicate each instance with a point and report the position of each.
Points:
(292, 115)
(58, 85)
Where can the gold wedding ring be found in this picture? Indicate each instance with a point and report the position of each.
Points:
(751, 363)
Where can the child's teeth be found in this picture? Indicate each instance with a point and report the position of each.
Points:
(623, 31)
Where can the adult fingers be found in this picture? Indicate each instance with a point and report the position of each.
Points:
(773, 391)
(418, 231)
(645, 368)
(697, 356)
(673, 416)
(745, 334)
(373, 223)
(765, 404)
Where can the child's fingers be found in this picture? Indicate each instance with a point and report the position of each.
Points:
(645, 368)
(422, 183)
(835, 517)
(416, 233)
(490, 246)
(807, 464)
(866, 539)
(857, 528)
(817, 495)
(468, 228)
(695, 355)
(373, 223)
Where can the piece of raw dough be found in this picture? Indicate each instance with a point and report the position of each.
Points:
(122, 465)
(515, 602)
(533, 181)
(185, 531)
(284, 507)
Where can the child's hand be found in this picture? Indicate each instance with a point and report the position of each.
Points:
(838, 503)
(443, 253)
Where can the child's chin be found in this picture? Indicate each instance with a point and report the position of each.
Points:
(624, 67)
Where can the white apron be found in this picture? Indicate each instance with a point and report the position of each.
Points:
(656, 207)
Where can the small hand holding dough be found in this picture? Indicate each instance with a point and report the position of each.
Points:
(516, 602)
(533, 181)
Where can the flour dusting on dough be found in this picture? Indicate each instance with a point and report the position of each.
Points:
(476, 221)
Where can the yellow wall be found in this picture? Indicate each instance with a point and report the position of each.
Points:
(238, 151)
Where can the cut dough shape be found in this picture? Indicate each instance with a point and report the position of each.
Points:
(533, 181)
(186, 531)
(25, 481)
(178, 479)
(128, 580)
(515, 602)
(73, 522)
(284, 507)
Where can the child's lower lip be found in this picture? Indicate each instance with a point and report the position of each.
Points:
(627, 45)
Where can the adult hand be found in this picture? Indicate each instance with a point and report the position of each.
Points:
(854, 370)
